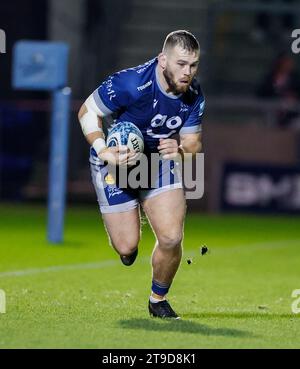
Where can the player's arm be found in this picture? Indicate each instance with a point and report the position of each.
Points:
(190, 133)
(189, 143)
(90, 118)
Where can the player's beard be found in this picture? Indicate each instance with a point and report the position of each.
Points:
(173, 87)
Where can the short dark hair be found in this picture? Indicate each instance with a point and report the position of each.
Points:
(183, 38)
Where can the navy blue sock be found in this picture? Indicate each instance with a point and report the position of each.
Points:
(160, 288)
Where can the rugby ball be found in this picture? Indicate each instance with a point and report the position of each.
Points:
(128, 134)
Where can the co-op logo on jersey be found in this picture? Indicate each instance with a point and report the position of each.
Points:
(163, 121)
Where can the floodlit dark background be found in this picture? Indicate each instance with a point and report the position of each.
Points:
(248, 72)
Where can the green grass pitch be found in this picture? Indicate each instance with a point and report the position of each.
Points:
(79, 295)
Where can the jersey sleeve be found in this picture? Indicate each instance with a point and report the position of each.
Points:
(193, 123)
(114, 93)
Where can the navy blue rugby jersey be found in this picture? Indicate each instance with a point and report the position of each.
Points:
(135, 95)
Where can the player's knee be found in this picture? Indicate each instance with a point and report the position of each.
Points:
(125, 248)
(170, 241)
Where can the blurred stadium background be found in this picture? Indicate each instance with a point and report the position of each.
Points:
(251, 141)
(245, 139)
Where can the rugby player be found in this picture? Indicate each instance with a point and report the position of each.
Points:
(162, 98)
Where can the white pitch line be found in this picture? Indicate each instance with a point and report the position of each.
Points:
(108, 263)
(58, 268)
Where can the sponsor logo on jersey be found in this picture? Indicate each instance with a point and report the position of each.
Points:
(183, 108)
(160, 121)
(140, 88)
